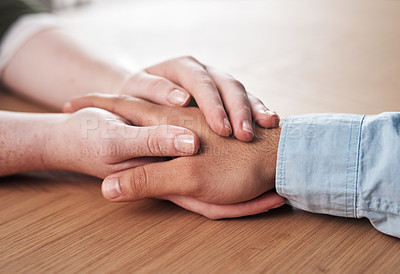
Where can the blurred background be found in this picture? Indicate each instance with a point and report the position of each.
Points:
(284, 51)
(60, 4)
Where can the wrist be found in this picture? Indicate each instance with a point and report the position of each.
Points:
(269, 153)
(55, 148)
(25, 137)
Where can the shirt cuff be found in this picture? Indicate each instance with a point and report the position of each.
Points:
(23, 29)
(317, 164)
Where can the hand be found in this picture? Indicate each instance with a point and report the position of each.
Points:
(99, 143)
(217, 94)
(227, 178)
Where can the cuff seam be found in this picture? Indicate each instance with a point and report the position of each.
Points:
(281, 159)
(357, 164)
(353, 147)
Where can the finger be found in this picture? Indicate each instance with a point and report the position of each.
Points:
(236, 104)
(130, 142)
(139, 161)
(261, 114)
(261, 204)
(137, 111)
(190, 74)
(152, 180)
(156, 89)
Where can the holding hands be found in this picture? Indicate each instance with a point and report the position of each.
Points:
(227, 178)
(129, 138)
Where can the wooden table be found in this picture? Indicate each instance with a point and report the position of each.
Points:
(299, 57)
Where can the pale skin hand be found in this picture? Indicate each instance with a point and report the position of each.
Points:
(217, 94)
(97, 142)
(52, 67)
(227, 178)
(91, 141)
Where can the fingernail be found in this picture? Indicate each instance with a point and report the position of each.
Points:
(246, 126)
(273, 115)
(184, 143)
(177, 97)
(111, 188)
(227, 124)
(277, 119)
(278, 205)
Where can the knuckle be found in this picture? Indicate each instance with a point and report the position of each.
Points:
(206, 82)
(138, 183)
(256, 103)
(252, 98)
(157, 84)
(188, 58)
(124, 97)
(153, 145)
(246, 111)
(237, 84)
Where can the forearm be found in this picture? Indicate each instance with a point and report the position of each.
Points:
(51, 68)
(23, 141)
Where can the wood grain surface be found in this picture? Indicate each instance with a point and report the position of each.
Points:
(299, 57)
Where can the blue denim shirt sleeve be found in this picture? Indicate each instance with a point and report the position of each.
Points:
(343, 164)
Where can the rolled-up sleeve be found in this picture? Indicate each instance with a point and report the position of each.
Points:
(343, 164)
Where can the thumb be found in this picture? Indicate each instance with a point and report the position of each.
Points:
(164, 140)
(152, 180)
